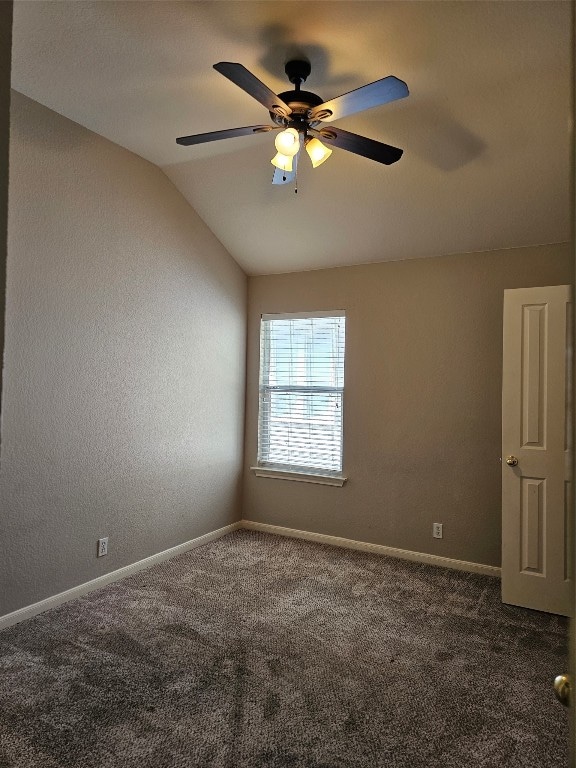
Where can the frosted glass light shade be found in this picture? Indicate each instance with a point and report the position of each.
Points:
(282, 161)
(317, 152)
(288, 142)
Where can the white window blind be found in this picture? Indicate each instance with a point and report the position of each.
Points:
(301, 391)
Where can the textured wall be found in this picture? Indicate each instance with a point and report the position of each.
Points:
(124, 366)
(5, 62)
(422, 413)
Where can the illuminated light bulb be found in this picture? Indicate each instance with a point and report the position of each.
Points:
(282, 161)
(317, 152)
(288, 142)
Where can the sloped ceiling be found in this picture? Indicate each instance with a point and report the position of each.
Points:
(485, 130)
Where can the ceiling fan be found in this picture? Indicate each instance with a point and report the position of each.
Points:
(300, 114)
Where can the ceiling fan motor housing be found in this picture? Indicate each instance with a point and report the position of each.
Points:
(300, 102)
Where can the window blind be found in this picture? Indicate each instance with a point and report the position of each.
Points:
(301, 391)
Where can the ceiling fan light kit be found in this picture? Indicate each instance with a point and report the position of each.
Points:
(283, 162)
(317, 152)
(300, 113)
(288, 142)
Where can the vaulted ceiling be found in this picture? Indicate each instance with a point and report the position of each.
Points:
(485, 130)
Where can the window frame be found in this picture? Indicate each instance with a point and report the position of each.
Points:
(289, 471)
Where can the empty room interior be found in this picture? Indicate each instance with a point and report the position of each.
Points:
(286, 427)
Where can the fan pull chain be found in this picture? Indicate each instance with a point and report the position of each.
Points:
(296, 180)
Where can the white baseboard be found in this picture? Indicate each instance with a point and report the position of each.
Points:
(378, 549)
(82, 589)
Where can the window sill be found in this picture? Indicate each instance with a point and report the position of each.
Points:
(299, 477)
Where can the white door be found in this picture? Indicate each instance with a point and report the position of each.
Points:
(537, 449)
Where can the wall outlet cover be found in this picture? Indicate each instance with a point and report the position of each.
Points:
(437, 530)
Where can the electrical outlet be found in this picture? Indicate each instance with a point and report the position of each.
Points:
(437, 530)
(103, 547)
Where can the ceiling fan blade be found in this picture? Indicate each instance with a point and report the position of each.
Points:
(244, 79)
(368, 96)
(201, 138)
(360, 145)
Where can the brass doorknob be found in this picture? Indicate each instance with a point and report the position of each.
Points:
(562, 689)
(512, 461)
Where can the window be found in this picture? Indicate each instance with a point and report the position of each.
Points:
(301, 395)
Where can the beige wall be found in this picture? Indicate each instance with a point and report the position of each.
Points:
(5, 65)
(422, 410)
(124, 363)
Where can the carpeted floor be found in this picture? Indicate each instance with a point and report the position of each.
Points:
(258, 651)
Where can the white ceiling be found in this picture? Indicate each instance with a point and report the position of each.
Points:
(485, 130)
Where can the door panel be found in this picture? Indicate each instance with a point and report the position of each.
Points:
(533, 524)
(534, 353)
(536, 483)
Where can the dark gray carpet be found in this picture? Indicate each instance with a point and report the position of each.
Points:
(257, 650)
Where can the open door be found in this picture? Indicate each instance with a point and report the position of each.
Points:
(537, 502)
